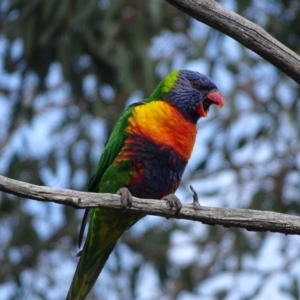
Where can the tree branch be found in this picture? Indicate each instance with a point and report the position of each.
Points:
(253, 220)
(242, 30)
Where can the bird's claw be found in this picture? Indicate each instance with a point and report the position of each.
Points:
(126, 198)
(195, 203)
(172, 200)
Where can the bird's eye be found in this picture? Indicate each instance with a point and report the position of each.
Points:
(194, 84)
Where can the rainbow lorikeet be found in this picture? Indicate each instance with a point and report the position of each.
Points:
(145, 156)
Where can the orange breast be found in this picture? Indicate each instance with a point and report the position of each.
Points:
(165, 125)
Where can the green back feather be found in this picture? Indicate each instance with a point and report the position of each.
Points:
(111, 149)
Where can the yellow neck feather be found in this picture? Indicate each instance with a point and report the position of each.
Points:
(164, 125)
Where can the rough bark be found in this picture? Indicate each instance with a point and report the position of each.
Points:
(242, 30)
(253, 220)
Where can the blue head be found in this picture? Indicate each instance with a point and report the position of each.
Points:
(191, 92)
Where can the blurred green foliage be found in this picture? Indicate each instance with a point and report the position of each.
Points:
(68, 70)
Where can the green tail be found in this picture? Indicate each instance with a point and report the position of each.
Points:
(106, 227)
(82, 282)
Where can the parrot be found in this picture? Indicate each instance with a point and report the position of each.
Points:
(145, 157)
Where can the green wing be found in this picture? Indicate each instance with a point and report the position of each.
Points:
(111, 150)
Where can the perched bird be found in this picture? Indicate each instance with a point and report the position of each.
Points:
(145, 156)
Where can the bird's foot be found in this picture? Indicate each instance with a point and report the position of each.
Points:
(126, 198)
(195, 203)
(173, 201)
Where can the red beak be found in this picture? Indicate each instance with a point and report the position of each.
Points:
(214, 97)
(217, 98)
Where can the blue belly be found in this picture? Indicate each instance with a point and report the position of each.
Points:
(157, 169)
